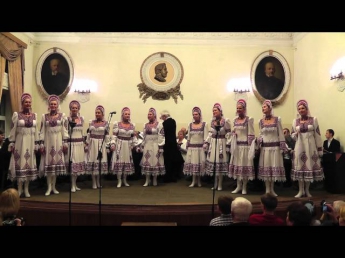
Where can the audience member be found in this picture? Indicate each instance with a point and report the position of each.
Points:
(5, 157)
(330, 215)
(342, 216)
(224, 208)
(311, 207)
(331, 145)
(269, 203)
(241, 209)
(9, 208)
(298, 215)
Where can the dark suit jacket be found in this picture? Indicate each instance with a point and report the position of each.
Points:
(170, 147)
(55, 84)
(334, 147)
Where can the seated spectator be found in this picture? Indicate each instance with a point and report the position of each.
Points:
(342, 216)
(224, 207)
(331, 145)
(9, 208)
(241, 208)
(269, 203)
(330, 217)
(311, 207)
(298, 215)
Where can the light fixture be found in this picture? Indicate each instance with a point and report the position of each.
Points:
(241, 91)
(83, 95)
(340, 76)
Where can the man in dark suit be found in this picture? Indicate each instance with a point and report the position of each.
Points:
(5, 157)
(331, 145)
(54, 82)
(173, 159)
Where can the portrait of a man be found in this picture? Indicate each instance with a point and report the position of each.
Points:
(161, 72)
(55, 75)
(268, 84)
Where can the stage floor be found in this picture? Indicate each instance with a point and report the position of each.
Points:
(163, 194)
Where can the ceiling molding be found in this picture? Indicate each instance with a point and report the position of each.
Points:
(174, 38)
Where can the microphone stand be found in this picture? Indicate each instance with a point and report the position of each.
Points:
(72, 124)
(214, 169)
(99, 157)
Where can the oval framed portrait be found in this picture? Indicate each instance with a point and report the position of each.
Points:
(161, 74)
(270, 77)
(54, 73)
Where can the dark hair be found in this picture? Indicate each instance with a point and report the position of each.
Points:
(269, 201)
(224, 204)
(299, 214)
(286, 129)
(1, 131)
(331, 131)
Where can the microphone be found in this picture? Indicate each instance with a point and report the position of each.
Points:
(112, 113)
(218, 126)
(72, 123)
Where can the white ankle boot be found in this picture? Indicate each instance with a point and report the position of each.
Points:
(155, 180)
(20, 187)
(244, 186)
(193, 181)
(125, 180)
(272, 188)
(49, 184)
(199, 181)
(147, 182)
(119, 181)
(307, 193)
(53, 185)
(94, 185)
(73, 184)
(268, 186)
(239, 187)
(26, 188)
(220, 182)
(300, 189)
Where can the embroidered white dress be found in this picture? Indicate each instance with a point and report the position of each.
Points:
(53, 135)
(241, 161)
(24, 136)
(76, 146)
(97, 132)
(306, 164)
(152, 162)
(272, 144)
(216, 147)
(195, 159)
(124, 140)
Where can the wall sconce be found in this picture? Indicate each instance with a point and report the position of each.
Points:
(241, 94)
(83, 95)
(241, 91)
(339, 77)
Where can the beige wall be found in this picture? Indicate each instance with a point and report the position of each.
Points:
(207, 70)
(314, 57)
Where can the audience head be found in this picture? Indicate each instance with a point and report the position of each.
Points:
(298, 215)
(224, 204)
(241, 208)
(329, 133)
(269, 202)
(342, 216)
(9, 203)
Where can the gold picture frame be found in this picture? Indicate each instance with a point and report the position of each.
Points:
(275, 87)
(161, 75)
(60, 84)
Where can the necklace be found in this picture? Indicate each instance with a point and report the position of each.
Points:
(268, 117)
(304, 118)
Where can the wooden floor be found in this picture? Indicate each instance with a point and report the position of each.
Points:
(171, 203)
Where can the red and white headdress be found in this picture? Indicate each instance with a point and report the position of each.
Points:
(101, 108)
(153, 111)
(74, 102)
(54, 98)
(198, 110)
(25, 96)
(305, 104)
(123, 112)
